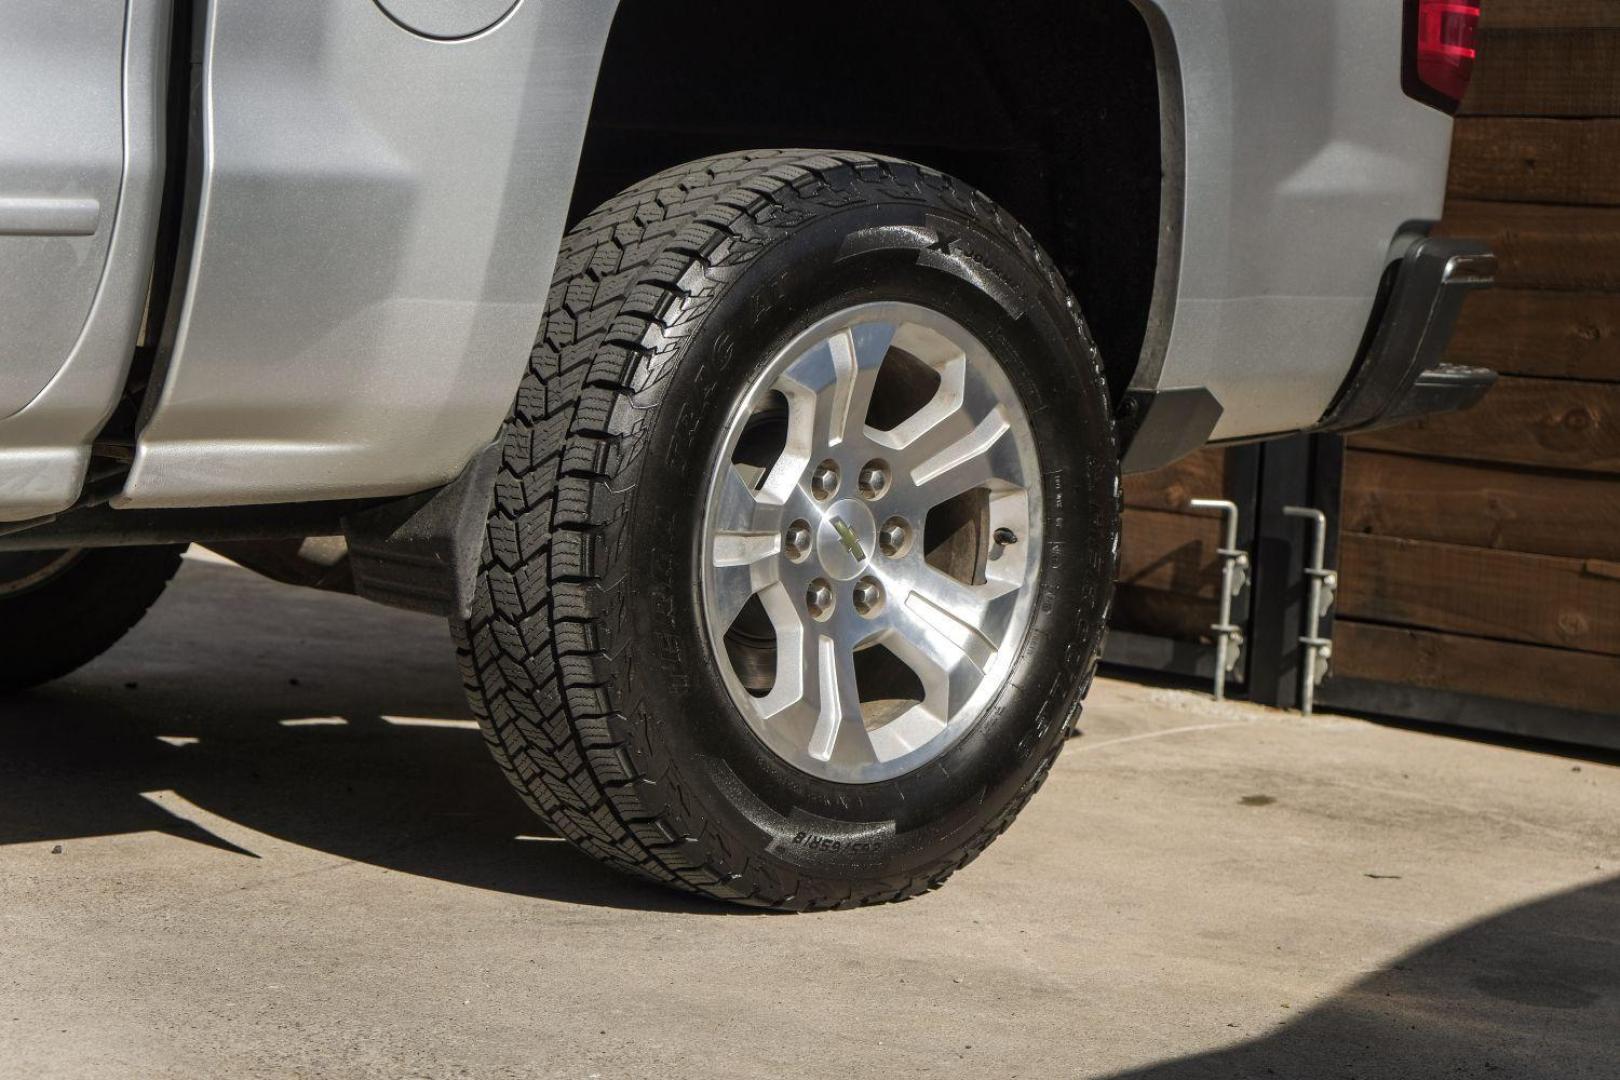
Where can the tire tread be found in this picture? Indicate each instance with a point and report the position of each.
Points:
(548, 631)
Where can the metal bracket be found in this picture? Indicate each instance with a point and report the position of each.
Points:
(1234, 578)
(1324, 591)
(421, 552)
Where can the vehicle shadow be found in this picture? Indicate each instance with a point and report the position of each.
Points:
(312, 718)
(1530, 994)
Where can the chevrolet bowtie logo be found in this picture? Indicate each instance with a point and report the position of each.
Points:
(852, 543)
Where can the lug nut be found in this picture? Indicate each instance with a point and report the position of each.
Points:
(818, 599)
(796, 541)
(893, 537)
(824, 481)
(873, 480)
(868, 596)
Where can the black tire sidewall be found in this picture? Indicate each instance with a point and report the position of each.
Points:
(69, 620)
(994, 289)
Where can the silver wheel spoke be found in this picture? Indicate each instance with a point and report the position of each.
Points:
(736, 580)
(838, 703)
(789, 693)
(940, 422)
(742, 552)
(969, 462)
(841, 371)
(973, 618)
(740, 510)
(884, 642)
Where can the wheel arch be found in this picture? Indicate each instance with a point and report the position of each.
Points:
(1051, 108)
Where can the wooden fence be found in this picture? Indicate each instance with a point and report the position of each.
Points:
(1479, 553)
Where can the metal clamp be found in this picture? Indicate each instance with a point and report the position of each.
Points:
(1234, 577)
(1324, 591)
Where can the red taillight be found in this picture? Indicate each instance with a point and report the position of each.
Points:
(1440, 50)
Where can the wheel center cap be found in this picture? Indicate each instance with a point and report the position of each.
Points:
(845, 539)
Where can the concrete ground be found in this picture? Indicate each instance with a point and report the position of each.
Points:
(260, 838)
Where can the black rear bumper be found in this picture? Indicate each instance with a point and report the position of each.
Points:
(1399, 374)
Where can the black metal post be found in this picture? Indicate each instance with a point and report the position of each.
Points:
(1279, 577)
(1302, 470)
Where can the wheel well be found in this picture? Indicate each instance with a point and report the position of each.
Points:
(1049, 106)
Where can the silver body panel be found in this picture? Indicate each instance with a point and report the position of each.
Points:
(1299, 159)
(61, 162)
(379, 217)
(381, 197)
(81, 173)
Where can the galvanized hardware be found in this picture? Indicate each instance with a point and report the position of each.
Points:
(1324, 590)
(1234, 577)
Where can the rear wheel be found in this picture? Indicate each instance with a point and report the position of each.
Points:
(61, 609)
(804, 539)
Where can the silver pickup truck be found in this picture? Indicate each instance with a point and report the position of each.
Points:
(771, 494)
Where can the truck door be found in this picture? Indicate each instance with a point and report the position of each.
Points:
(61, 167)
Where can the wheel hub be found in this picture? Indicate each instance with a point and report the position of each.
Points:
(846, 540)
(24, 571)
(858, 607)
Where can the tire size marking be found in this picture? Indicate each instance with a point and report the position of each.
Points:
(812, 842)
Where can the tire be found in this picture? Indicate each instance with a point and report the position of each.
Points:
(589, 659)
(60, 610)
